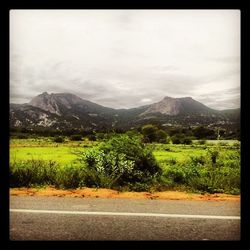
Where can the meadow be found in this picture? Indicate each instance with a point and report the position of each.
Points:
(210, 166)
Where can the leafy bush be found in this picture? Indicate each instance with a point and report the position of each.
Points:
(181, 139)
(177, 138)
(59, 139)
(213, 172)
(75, 137)
(91, 137)
(121, 161)
(176, 174)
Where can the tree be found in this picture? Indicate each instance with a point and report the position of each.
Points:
(150, 132)
(203, 133)
(161, 136)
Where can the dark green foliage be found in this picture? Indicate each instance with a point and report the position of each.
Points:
(69, 177)
(151, 133)
(204, 133)
(21, 136)
(59, 139)
(187, 140)
(91, 137)
(121, 161)
(178, 138)
(76, 137)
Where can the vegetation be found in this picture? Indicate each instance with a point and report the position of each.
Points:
(76, 137)
(127, 161)
(151, 133)
(59, 139)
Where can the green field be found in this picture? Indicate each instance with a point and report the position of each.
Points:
(176, 160)
(63, 153)
(46, 149)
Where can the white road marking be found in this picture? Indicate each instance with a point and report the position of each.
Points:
(193, 216)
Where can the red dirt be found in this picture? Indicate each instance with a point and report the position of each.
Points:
(108, 193)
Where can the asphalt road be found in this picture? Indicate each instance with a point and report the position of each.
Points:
(57, 218)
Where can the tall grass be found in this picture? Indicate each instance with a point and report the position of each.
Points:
(214, 172)
(118, 165)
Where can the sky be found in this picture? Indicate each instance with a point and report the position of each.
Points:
(126, 58)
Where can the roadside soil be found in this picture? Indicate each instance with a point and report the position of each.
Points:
(109, 193)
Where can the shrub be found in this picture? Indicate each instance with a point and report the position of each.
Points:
(176, 174)
(32, 172)
(181, 139)
(22, 136)
(121, 161)
(202, 142)
(213, 172)
(58, 139)
(75, 137)
(69, 177)
(187, 141)
(91, 137)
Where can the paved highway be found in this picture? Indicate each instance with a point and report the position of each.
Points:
(57, 218)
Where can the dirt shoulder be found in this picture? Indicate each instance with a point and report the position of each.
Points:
(108, 193)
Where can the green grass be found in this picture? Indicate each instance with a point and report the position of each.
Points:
(46, 149)
(178, 152)
(183, 165)
(62, 153)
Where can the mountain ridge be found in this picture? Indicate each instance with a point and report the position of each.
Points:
(66, 110)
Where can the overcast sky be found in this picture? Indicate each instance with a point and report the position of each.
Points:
(126, 58)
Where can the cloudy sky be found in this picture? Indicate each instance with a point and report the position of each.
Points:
(126, 58)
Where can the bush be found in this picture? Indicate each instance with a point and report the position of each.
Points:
(213, 172)
(58, 139)
(32, 172)
(75, 137)
(202, 142)
(178, 139)
(21, 136)
(187, 141)
(121, 161)
(69, 177)
(176, 174)
(152, 133)
(91, 137)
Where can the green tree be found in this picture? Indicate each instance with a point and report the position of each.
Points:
(203, 133)
(161, 136)
(150, 132)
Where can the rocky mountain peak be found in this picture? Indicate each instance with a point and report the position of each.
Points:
(168, 106)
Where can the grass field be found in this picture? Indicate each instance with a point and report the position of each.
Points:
(176, 161)
(63, 153)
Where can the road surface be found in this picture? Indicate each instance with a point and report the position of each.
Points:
(58, 218)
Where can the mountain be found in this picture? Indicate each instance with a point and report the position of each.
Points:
(175, 106)
(64, 111)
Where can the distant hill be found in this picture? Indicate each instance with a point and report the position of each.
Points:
(175, 106)
(63, 111)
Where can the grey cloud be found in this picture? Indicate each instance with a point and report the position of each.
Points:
(222, 99)
(125, 57)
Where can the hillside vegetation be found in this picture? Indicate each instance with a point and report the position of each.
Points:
(126, 162)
